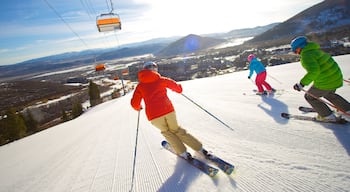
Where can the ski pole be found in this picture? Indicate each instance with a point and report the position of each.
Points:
(275, 79)
(347, 81)
(135, 152)
(326, 102)
(251, 80)
(207, 112)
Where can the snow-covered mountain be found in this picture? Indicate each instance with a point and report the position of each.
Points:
(189, 44)
(95, 152)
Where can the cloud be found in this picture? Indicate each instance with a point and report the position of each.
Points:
(3, 50)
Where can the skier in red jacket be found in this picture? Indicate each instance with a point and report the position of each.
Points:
(152, 88)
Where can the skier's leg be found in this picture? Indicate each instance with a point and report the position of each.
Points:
(321, 108)
(263, 81)
(338, 100)
(182, 134)
(174, 141)
(258, 82)
(267, 86)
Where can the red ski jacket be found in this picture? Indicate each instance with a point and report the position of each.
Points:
(152, 88)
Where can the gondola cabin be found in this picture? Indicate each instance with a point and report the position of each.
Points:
(108, 22)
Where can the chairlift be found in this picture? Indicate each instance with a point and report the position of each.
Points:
(100, 67)
(108, 22)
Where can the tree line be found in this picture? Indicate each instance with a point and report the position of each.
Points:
(15, 125)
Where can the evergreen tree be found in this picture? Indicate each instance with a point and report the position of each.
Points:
(115, 93)
(94, 94)
(31, 123)
(64, 116)
(3, 138)
(77, 109)
(14, 125)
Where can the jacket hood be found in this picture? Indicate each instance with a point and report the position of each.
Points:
(147, 76)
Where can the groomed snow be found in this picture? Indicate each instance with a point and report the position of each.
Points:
(95, 151)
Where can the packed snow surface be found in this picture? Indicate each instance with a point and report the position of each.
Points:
(95, 152)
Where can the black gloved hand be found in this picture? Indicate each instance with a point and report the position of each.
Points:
(298, 86)
(248, 77)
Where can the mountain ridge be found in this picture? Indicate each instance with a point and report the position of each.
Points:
(329, 17)
(189, 44)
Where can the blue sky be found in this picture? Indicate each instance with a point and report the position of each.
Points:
(37, 28)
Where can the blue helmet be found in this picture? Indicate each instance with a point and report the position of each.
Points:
(298, 42)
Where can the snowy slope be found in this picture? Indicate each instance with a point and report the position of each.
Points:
(95, 151)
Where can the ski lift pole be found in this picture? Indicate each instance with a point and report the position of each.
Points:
(122, 79)
(207, 112)
(135, 152)
(123, 86)
(326, 102)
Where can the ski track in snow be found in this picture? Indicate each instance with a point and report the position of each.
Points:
(95, 152)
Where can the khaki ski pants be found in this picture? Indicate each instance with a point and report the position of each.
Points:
(322, 109)
(174, 134)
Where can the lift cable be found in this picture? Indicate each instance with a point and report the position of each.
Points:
(54, 10)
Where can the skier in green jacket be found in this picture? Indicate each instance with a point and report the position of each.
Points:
(326, 76)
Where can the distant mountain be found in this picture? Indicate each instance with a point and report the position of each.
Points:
(242, 33)
(131, 51)
(155, 41)
(74, 59)
(189, 44)
(193, 43)
(64, 56)
(331, 17)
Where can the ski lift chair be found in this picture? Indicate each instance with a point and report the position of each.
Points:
(108, 22)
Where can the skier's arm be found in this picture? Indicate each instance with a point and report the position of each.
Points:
(312, 67)
(171, 84)
(136, 100)
(251, 69)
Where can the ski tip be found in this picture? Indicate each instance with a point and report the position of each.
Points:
(285, 115)
(234, 172)
(214, 173)
(164, 143)
(306, 109)
(342, 121)
(230, 171)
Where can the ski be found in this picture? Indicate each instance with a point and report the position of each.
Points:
(308, 118)
(223, 165)
(306, 109)
(265, 93)
(205, 168)
(311, 110)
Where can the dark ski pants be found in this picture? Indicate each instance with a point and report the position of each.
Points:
(321, 108)
(174, 134)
